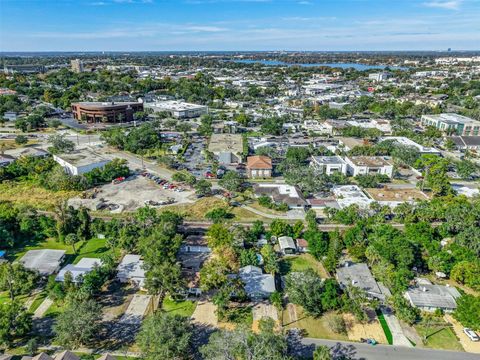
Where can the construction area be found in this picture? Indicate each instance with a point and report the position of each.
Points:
(129, 195)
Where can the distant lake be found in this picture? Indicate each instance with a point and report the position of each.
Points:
(356, 66)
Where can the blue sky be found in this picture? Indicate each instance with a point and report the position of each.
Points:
(163, 25)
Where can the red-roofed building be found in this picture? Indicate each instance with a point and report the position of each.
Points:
(259, 166)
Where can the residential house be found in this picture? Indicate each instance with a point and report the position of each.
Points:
(282, 193)
(131, 270)
(79, 270)
(429, 297)
(257, 284)
(359, 275)
(287, 245)
(259, 166)
(45, 261)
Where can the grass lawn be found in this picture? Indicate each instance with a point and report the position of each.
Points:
(5, 297)
(300, 263)
(439, 337)
(386, 329)
(184, 308)
(33, 195)
(316, 328)
(38, 300)
(93, 248)
(54, 310)
(266, 210)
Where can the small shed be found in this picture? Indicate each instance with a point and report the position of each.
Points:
(287, 245)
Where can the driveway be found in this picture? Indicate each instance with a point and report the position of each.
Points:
(399, 337)
(467, 344)
(205, 314)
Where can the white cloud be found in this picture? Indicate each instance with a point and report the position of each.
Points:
(449, 5)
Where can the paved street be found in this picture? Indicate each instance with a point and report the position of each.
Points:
(359, 351)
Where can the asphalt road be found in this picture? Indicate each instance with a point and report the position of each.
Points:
(358, 351)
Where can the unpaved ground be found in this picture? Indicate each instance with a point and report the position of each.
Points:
(372, 329)
(42, 309)
(132, 194)
(136, 309)
(467, 344)
(205, 314)
(263, 310)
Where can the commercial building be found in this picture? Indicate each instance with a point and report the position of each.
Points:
(105, 112)
(76, 65)
(228, 148)
(23, 69)
(259, 167)
(369, 165)
(407, 142)
(178, 109)
(381, 76)
(80, 161)
(453, 124)
(328, 165)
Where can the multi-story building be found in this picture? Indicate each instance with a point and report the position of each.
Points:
(369, 165)
(453, 124)
(23, 69)
(107, 112)
(77, 65)
(178, 109)
(381, 76)
(259, 166)
(328, 165)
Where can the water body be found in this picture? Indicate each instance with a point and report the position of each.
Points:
(355, 66)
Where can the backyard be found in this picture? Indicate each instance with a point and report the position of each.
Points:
(301, 263)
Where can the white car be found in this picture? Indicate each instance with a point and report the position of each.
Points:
(471, 334)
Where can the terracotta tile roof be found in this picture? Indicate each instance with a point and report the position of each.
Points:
(259, 162)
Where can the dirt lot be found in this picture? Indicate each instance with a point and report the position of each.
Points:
(263, 310)
(371, 329)
(132, 194)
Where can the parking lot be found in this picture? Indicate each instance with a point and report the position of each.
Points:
(195, 161)
(131, 194)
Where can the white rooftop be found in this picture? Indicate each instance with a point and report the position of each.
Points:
(347, 195)
(407, 142)
(45, 261)
(84, 266)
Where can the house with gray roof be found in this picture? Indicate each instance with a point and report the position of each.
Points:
(429, 297)
(44, 261)
(257, 284)
(359, 275)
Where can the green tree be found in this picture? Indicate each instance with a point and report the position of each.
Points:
(21, 139)
(165, 336)
(322, 353)
(78, 324)
(203, 187)
(16, 279)
(71, 239)
(15, 322)
(217, 215)
(60, 144)
(468, 311)
(232, 181)
(270, 262)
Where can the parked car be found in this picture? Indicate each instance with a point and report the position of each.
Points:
(118, 180)
(472, 335)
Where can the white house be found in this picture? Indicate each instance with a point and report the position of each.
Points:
(428, 297)
(328, 164)
(131, 270)
(369, 165)
(83, 267)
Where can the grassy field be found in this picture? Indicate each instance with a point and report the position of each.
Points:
(439, 337)
(316, 328)
(184, 308)
(386, 329)
(300, 263)
(198, 209)
(33, 195)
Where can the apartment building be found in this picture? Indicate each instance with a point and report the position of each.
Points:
(453, 124)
